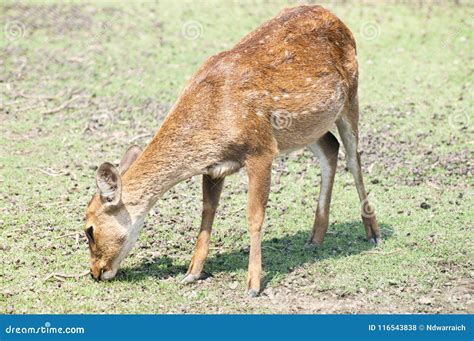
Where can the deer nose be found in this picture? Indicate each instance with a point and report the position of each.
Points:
(96, 274)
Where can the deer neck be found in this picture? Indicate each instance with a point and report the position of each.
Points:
(169, 159)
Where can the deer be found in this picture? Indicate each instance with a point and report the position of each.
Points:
(283, 87)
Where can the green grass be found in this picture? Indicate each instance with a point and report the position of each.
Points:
(127, 63)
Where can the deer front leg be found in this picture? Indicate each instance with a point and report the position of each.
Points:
(259, 174)
(211, 192)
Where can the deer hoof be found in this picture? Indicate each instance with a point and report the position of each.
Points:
(312, 245)
(375, 240)
(189, 278)
(252, 293)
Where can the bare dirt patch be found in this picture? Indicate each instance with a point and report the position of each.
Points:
(55, 18)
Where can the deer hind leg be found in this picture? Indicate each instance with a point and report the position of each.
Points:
(211, 190)
(326, 150)
(348, 131)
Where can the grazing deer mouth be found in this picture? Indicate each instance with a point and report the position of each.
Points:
(103, 274)
(96, 273)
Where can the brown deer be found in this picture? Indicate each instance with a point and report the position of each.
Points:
(281, 88)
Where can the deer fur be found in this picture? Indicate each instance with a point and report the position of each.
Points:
(281, 88)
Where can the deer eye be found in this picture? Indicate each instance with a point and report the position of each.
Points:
(89, 234)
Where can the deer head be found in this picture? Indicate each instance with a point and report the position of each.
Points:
(111, 228)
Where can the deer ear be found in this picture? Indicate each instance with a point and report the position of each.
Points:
(129, 158)
(109, 184)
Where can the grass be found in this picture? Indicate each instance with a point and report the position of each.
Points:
(126, 63)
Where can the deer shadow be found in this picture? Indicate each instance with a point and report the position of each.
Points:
(280, 255)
